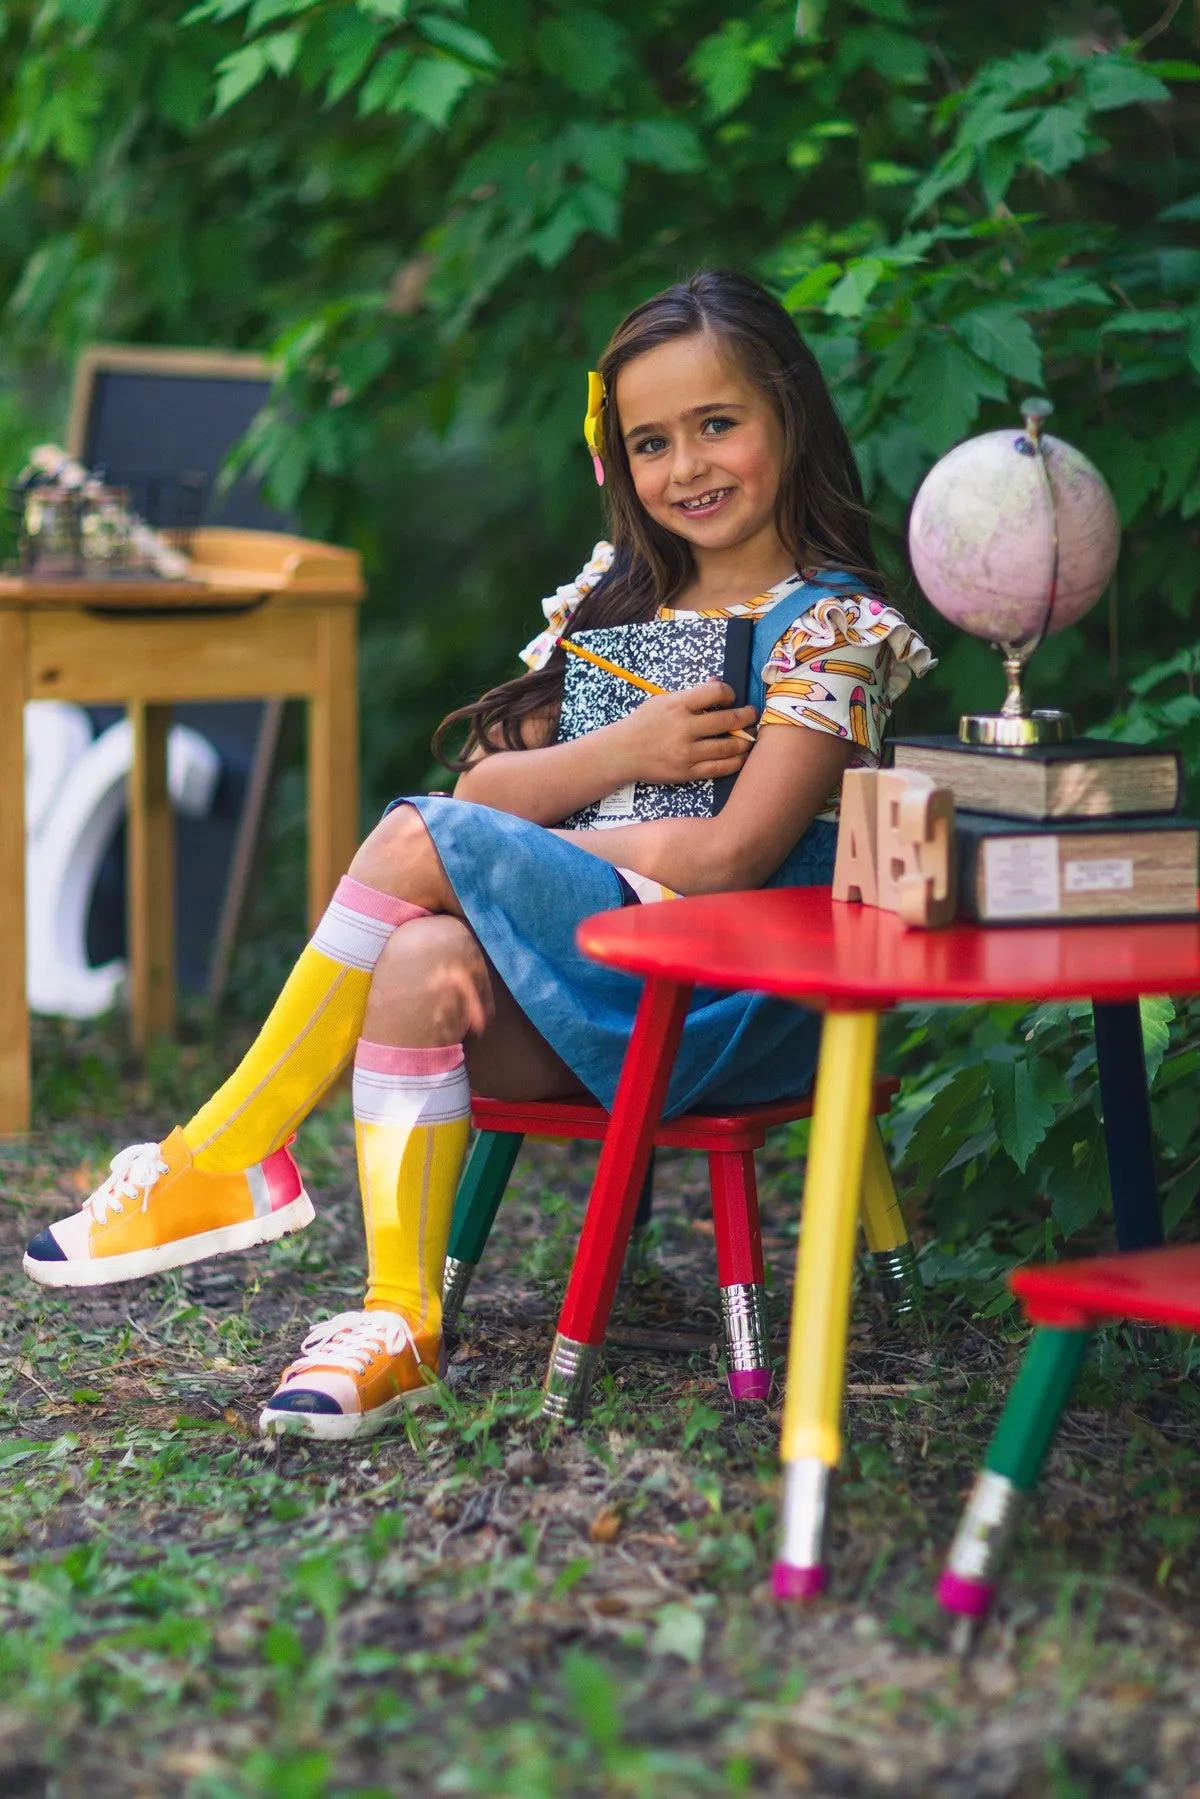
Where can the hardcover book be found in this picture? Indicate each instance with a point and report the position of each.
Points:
(673, 654)
(1011, 871)
(1086, 778)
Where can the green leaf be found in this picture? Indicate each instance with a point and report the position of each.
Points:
(666, 144)
(1131, 324)
(679, 1630)
(1022, 1111)
(432, 89)
(1079, 1192)
(281, 50)
(946, 385)
(448, 34)
(1157, 1014)
(812, 288)
(848, 300)
(583, 49)
(1116, 80)
(896, 56)
(238, 73)
(1179, 454)
(957, 1112)
(382, 85)
(264, 12)
(1054, 293)
(1000, 336)
(1058, 139)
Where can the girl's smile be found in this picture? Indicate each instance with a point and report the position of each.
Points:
(705, 450)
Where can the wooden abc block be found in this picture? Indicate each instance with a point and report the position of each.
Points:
(896, 845)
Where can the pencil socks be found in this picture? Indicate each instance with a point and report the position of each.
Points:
(412, 1117)
(307, 1038)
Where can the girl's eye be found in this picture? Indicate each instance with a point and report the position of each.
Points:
(650, 446)
(718, 426)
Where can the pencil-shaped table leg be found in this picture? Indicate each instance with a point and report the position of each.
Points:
(1010, 1472)
(620, 1173)
(1128, 1133)
(816, 1369)
(893, 1259)
(475, 1206)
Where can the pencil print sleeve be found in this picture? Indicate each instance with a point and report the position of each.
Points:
(840, 668)
(559, 606)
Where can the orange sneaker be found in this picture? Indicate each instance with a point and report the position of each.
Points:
(157, 1211)
(353, 1373)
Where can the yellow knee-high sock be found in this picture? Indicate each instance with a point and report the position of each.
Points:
(308, 1037)
(412, 1117)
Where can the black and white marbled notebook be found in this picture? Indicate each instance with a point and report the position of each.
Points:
(675, 654)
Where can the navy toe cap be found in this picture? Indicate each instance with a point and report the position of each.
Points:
(303, 1399)
(46, 1248)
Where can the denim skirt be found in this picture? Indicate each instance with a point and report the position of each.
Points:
(524, 891)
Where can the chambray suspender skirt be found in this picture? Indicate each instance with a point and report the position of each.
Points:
(524, 891)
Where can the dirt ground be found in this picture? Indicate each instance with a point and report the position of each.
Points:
(478, 1604)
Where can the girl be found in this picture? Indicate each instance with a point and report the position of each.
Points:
(447, 957)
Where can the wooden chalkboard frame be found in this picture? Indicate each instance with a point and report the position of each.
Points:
(100, 359)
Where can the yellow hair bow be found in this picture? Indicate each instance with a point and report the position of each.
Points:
(593, 422)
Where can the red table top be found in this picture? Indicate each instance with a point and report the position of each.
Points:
(800, 943)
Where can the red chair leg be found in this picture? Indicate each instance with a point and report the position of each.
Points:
(608, 1222)
(740, 1272)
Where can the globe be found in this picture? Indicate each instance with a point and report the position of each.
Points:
(983, 528)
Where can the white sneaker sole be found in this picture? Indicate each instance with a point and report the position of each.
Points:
(341, 1427)
(106, 1271)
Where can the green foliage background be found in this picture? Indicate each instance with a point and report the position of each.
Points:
(433, 211)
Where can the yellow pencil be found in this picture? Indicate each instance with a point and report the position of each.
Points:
(627, 674)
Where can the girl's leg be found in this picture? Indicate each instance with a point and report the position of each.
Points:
(433, 991)
(226, 1181)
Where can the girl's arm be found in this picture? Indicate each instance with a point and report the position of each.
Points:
(672, 737)
(786, 781)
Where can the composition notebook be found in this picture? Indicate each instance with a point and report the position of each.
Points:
(675, 654)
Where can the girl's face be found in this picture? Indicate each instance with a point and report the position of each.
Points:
(705, 447)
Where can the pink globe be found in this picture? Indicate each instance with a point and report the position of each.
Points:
(981, 536)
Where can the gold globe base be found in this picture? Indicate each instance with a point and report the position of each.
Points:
(1015, 730)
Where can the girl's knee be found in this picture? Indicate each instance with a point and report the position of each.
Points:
(398, 856)
(434, 971)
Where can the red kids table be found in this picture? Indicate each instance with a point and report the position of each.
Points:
(851, 963)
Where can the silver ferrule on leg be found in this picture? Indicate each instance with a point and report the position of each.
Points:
(986, 1529)
(898, 1278)
(744, 1315)
(569, 1379)
(805, 1501)
(455, 1284)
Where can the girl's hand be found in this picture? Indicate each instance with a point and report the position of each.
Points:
(677, 737)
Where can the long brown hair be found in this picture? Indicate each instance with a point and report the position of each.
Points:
(819, 512)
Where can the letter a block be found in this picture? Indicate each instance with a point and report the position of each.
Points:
(896, 845)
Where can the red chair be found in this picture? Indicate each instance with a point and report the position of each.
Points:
(1066, 1302)
(729, 1140)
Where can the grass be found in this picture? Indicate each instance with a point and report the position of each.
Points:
(476, 1605)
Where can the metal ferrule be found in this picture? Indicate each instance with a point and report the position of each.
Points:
(455, 1283)
(986, 1528)
(897, 1278)
(802, 1525)
(569, 1379)
(744, 1314)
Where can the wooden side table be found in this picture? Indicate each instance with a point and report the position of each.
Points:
(262, 616)
(851, 963)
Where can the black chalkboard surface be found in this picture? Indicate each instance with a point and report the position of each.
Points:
(149, 417)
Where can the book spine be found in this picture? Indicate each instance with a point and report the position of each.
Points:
(1043, 876)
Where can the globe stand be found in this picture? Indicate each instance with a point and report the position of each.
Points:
(1016, 725)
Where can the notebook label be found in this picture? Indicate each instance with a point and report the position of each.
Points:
(1109, 874)
(618, 804)
(1020, 877)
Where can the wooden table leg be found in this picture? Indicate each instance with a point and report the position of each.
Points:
(14, 1009)
(620, 1175)
(333, 826)
(816, 1373)
(1128, 1134)
(150, 878)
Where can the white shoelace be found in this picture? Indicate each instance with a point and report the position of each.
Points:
(352, 1340)
(132, 1171)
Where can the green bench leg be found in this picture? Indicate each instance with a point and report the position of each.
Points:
(1010, 1471)
(480, 1191)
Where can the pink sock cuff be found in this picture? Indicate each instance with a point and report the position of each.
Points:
(384, 1058)
(373, 904)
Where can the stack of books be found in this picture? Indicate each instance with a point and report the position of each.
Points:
(1069, 831)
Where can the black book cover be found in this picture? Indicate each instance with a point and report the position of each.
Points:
(1076, 749)
(674, 654)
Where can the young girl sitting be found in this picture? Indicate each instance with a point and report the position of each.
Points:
(446, 960)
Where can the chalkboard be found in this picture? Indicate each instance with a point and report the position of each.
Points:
(148, 417)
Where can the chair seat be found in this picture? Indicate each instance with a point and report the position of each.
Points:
(1150, 1286)
(743, 1128)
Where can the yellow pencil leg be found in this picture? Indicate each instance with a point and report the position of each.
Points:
(893, 1258)
(812, 1417)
